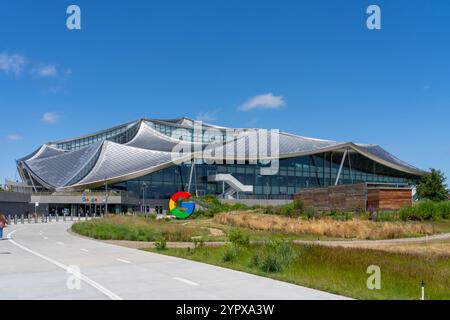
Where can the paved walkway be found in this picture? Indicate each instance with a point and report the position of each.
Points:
(44, 261)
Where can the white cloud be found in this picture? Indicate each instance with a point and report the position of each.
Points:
(46, 71)
(262, 101)
(17, 63)
(13, 137)
(12, 63)
(209, 116)
(50, 117)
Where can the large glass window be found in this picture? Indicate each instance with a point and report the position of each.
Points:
(294, 174)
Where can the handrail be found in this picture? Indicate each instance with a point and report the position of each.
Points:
(81, 193)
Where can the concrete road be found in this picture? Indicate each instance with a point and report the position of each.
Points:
(44, 261)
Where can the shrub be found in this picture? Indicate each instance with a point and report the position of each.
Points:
(230, 253)
(287, 210)
(426, 210)
(284, 251)
(237, 237)
(161, 244)
(299, 205)
(271, 263)
(273, 257)
(444, 208)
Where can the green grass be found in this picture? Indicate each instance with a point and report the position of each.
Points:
(426, 210)
(137, 229)
(336, 270)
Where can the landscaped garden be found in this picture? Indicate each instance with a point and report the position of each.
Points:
(259, 240)
(337, 270)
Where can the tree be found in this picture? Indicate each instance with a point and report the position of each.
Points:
(432, 186)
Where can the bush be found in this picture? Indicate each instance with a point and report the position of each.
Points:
(287, 210)
(230, 253)
(161, 244)
(299, 205)
(426, 210)
(444, 208)
(237, 237)
(273, 257)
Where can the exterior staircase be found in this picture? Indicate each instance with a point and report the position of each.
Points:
(234, 185)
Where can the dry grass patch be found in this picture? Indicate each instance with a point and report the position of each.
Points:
(431, 248)
(356, 228)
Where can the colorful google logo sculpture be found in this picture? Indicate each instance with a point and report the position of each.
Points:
(179, 207)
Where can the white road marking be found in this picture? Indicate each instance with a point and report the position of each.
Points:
(192, 283)
(45, 238)
(60, 243)
(123, 260)
(90, 282)
(85, 250)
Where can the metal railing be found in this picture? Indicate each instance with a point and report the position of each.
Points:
(81, 193)
(14, 219)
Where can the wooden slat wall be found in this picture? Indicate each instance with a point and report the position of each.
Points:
(388, 199)
(342, 197)
(355, 197)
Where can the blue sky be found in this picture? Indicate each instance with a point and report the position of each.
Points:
(313, 66)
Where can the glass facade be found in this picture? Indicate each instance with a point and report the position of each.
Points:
(189, 134)
(125, 133)
(120, 135)
(293, 174)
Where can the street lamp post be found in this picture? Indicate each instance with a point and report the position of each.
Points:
(106, 195)
(144, 186)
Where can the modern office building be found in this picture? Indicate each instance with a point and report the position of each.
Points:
(144, 162)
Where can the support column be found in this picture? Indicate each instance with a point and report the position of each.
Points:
(340, 167)
(190, 175)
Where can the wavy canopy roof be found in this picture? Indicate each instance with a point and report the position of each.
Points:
(147, 150)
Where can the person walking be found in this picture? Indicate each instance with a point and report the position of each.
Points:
(2, 225)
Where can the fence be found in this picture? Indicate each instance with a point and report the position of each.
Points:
(48, 218)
